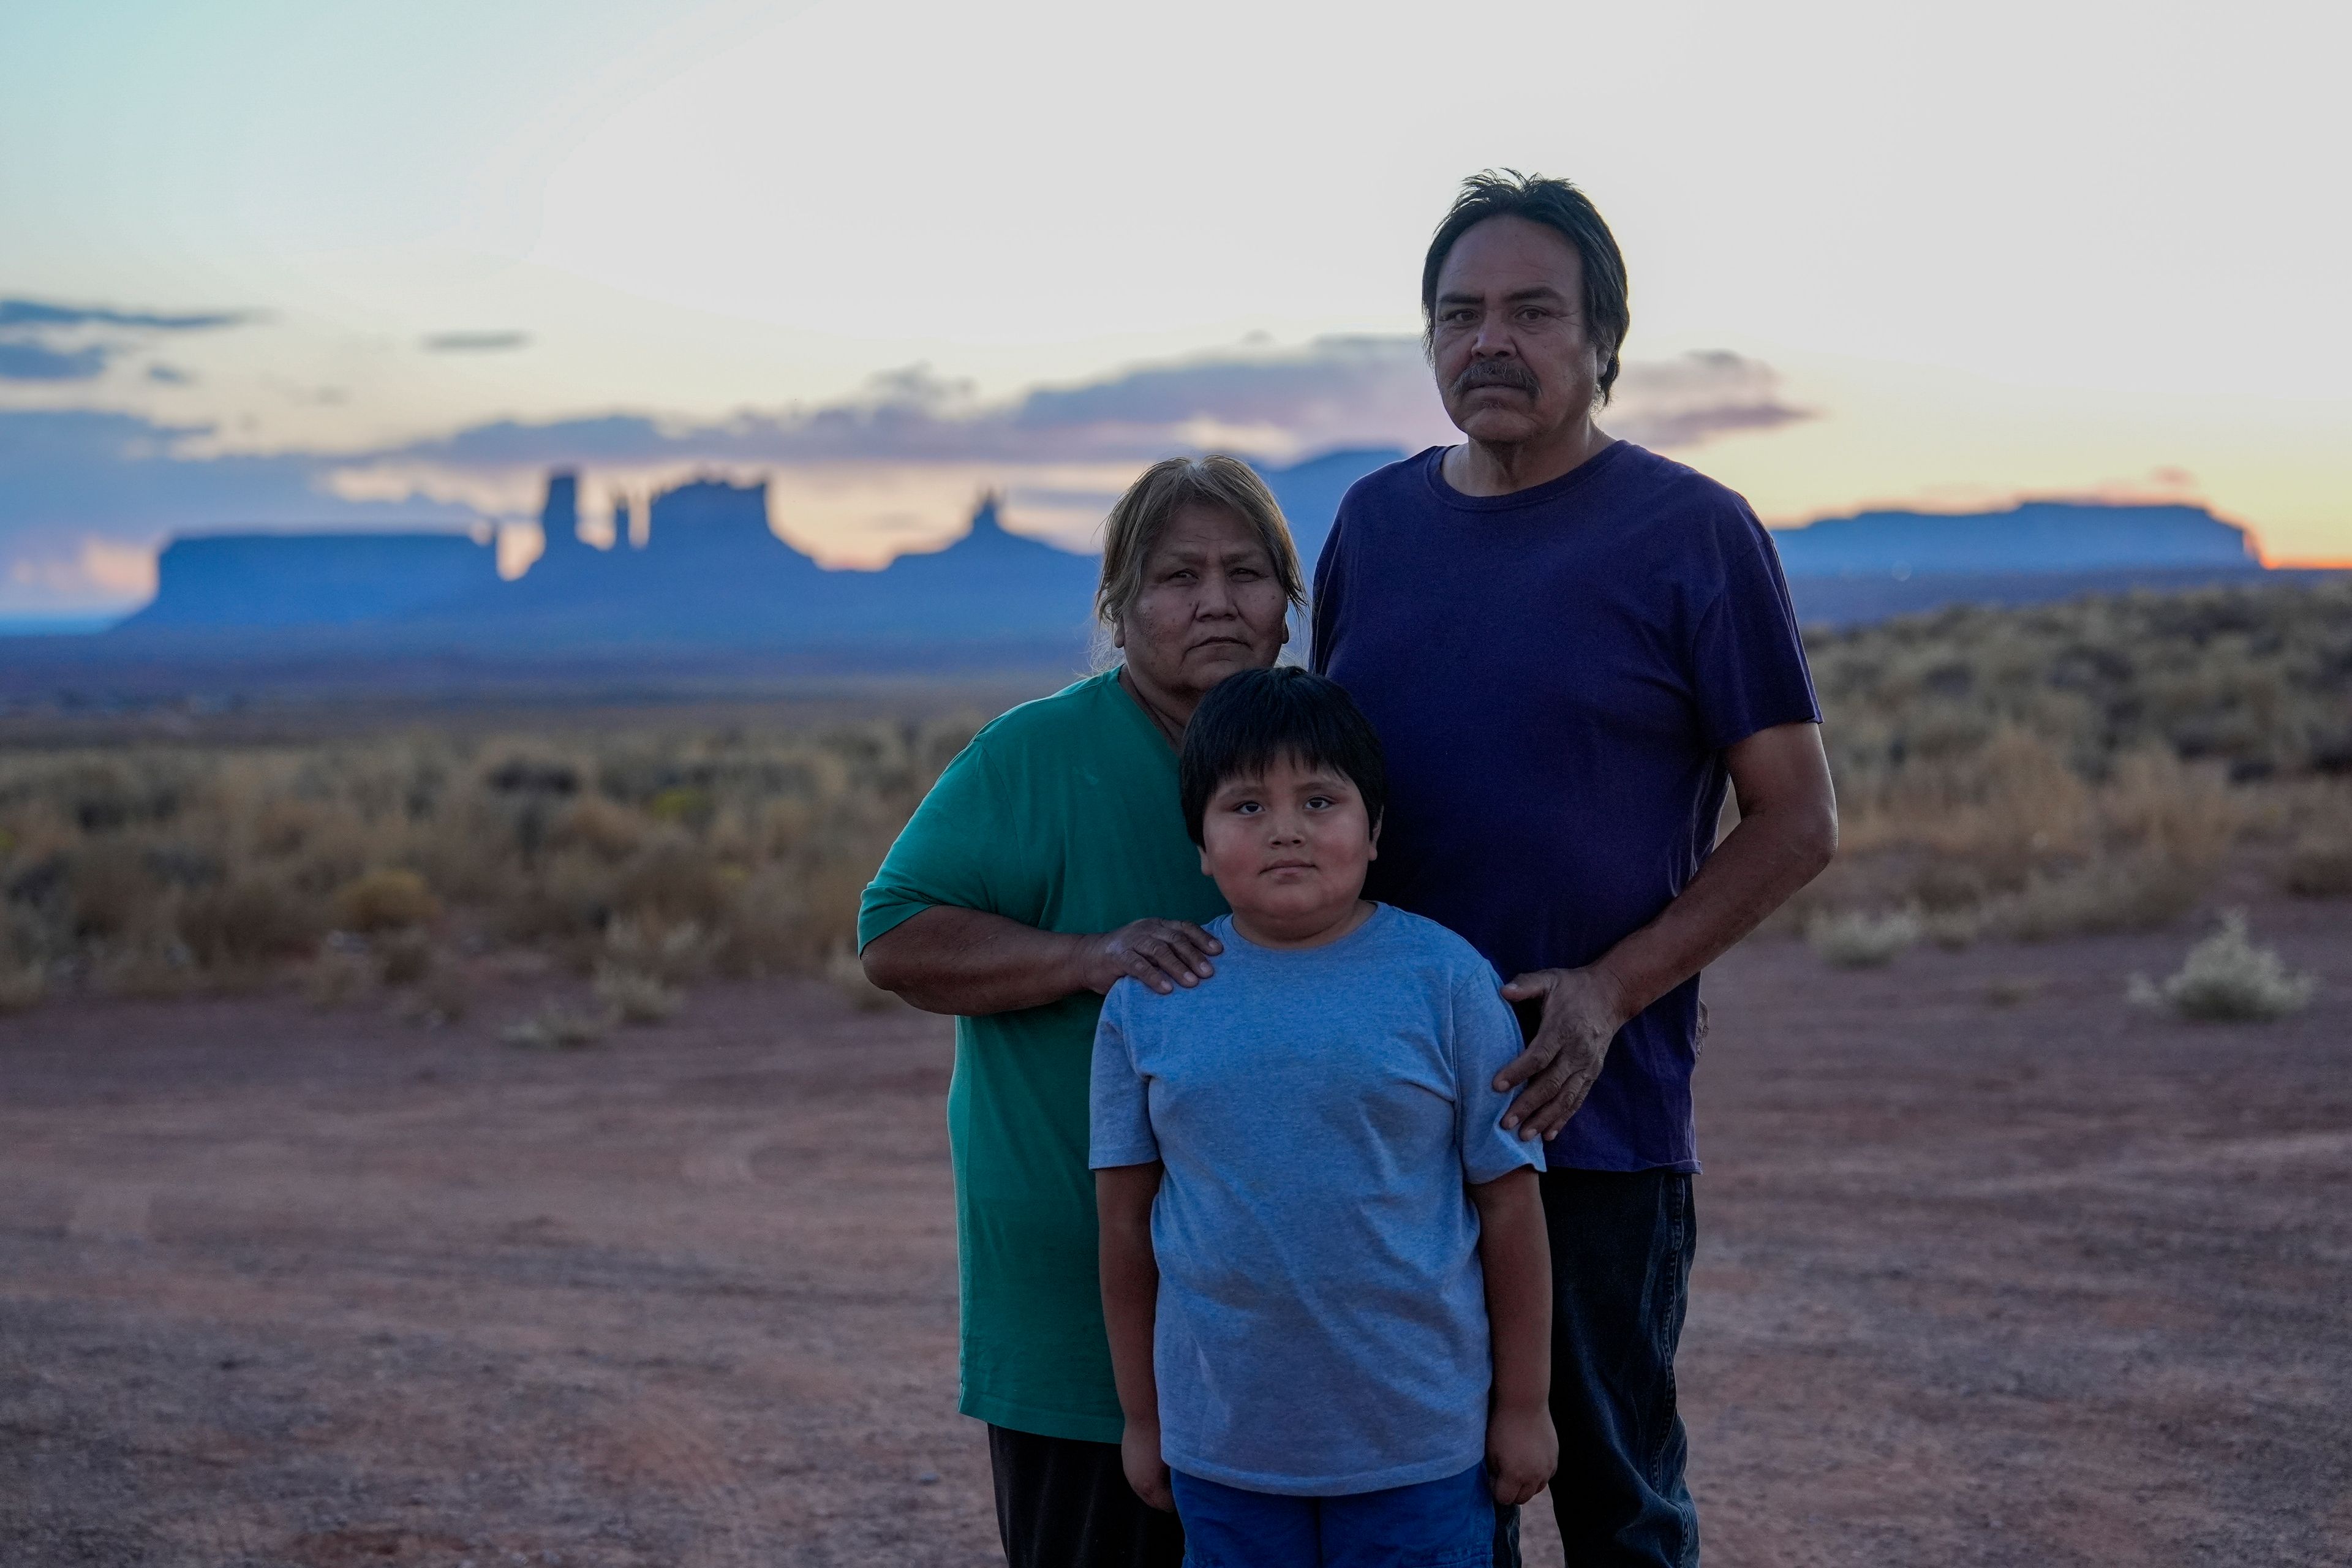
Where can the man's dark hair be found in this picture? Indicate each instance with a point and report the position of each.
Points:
(1561, 208)
(1250, 720)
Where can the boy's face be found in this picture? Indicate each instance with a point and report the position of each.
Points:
(1288, 850)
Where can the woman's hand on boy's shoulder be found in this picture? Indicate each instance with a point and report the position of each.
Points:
(1147, 1472)
(1522, 1451)
(1162, 955)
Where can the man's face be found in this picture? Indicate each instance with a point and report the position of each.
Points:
(1514, 358)
(1288, 849)
(1209, 605)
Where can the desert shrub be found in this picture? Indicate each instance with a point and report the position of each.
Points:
(445, 997)
(2319, 867)
(675, 880)
(1953, 930)
(2226, 979)
(22, 987)
(848, 977)
(604, 828)
(388, 900)
(110, 890)
(668, 954)
(684, 805)
(636, 997)
(335, 979)
(404, 957)
(250, 921)
(2140, 891)
(558, 1028)
(1857, 939)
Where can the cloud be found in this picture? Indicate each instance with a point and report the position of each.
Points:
(474, 343)
(84, 494)
(1281, 405)
(1687, 401)
(44, 341)
(37, 362)
(170, 376)
(17, 314)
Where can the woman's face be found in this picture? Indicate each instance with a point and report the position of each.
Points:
(1210, 605)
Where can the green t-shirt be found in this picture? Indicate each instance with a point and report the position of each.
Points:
(1061, 815)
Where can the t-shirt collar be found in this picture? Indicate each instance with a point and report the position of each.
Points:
(1433, 468)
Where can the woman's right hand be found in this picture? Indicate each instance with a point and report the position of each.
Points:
(1162, 955)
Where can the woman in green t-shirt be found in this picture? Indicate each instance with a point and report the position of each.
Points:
(1048, 861)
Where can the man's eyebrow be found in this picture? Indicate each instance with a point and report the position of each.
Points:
(1534, 292)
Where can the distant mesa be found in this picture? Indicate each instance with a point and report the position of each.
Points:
(2033, 536)
(311, 579)
(707, 573)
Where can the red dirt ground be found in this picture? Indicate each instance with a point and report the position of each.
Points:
(1994, 1270)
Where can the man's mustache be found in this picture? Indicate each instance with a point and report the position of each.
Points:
(1508, 372)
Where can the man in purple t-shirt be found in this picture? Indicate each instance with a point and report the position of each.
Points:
(1569, 646)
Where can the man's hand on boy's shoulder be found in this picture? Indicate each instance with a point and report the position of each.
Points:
(1139, 1453)
(1522, 1451)
(1582, 1012)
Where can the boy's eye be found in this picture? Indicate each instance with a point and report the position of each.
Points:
(1245, 808)
(1317, 802)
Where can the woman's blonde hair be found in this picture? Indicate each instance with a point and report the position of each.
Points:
(1136, 523)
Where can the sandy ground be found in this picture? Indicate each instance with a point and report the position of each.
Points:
(1992, 1270)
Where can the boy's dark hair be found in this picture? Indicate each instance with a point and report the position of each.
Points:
(1563, 208)
(1249, 721)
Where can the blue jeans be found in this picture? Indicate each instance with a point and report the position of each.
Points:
(1436, 1524)
(1621, 1244)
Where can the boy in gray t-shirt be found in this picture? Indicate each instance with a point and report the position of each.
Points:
(1324, 1265)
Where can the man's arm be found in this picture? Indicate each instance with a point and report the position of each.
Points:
(973, 964)
(1130, 1293)
(1787, 833)
(1522, 1450)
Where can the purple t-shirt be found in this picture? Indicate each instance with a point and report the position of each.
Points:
(1555, 675)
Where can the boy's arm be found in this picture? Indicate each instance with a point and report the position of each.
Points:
(1522, 1450)
(1130, 1293)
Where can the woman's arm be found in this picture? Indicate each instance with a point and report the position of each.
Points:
(1522, 1450)
(972, 963)
(1130, 1293)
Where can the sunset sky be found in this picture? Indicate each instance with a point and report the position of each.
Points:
(366, 264)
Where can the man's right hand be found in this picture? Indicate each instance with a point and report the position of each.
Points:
(1162, 955)
(1139, 1454)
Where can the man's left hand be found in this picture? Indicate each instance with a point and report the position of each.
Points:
(1582, 1012)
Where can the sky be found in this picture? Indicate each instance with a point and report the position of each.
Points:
(367, 264)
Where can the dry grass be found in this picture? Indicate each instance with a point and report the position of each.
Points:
(2226, 979)
(158, 869)
(559, 1027)
(390, 898)
(2084, 768)
(2320, 865)
(22, 987)
(1858, 939)
(635, 997)
(2033, 774)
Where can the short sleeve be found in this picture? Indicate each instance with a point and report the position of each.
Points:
(1485, 1038)
(1119, 1124)
(959, 849)
(1330, 590)
(1748, 658)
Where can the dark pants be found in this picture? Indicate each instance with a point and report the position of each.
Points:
(1064, 1503)
(1620, 1261)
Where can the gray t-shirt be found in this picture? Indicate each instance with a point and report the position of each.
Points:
(1320, 1112)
